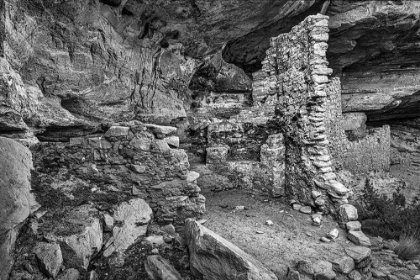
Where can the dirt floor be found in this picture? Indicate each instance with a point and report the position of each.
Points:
(292, 236)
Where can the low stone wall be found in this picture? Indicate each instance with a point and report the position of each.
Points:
(129, 160)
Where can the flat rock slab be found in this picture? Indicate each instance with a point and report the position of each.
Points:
(358, 238)
(358, 253)
(213, 257)
(158, 268)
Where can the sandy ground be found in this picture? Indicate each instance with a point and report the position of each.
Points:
(292, 237)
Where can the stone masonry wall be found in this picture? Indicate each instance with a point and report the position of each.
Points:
(370, 152)
(297, 62)
(130, 160)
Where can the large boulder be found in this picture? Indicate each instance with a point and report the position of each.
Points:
(79, 232)
(134, 217)
(213, 257)
(15, 198)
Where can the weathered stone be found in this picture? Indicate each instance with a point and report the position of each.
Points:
(108, 222)
(49, 258)
(337, 187)
(323, 271)
(134, 216)
(99, 143)
(216, 154)
(69, 274)
(358, 238)
(348, 212)
(15, 198)
(355, 275)
(158, 268)
(358, 253)
(84, 242)
(161, 131)
(172, 141)
(117, 131)
(354, 226)
(333, 234)
(305, 267)
(212, 257)
(192, 176)
(155, 240)
(306, 210)
(343, 265)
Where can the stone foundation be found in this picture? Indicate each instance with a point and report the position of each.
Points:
(129, 160)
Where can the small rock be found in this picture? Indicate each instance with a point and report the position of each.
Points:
(155, 240)
(259, 232)
(240, 208)
(306, 210)
(155, 251)
(308, 234)
(333, 234)
(69, 274)
(320, 201)
(29, 268)
(169, 229)
(377, 273)
(355, 275)
(323, 270)
(358, 238)
(354, 225)
(343, 265)
(158, 268)
(316, 194)
(192, 176)
(172, 141)
(269, 223)
(296, 206)
(108, 222)
(358, 253)
(305, 267)
(325, 239)
(348, 212)
(49, 258)
(115, 131)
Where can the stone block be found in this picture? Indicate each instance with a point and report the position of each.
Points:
(49, 258)
(358, 253)
(99, 143)
(358, 238)
(117, 131)
(343, 265)
(348, 213)
(353, 226)
(216, 155)
(134, 216)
